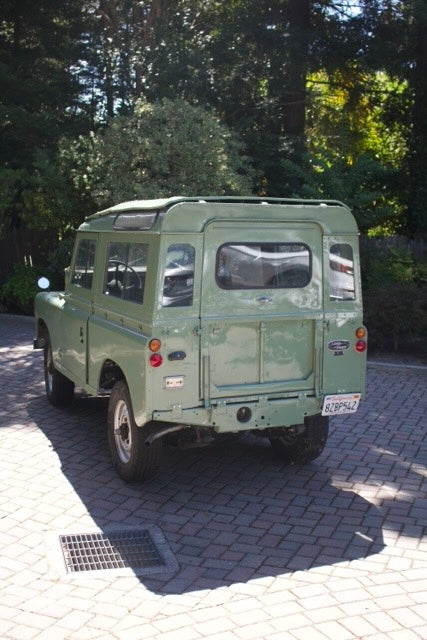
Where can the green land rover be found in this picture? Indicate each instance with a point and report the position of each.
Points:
(211, 315)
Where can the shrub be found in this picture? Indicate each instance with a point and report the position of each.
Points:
(164, 148)
(395, 296)
(17, 294)
(19, 291)
(396, 317)
(383, 264)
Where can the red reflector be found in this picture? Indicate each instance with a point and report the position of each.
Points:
(360, 346)
(156, 360)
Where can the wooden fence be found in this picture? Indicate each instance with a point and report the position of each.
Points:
(416, 246)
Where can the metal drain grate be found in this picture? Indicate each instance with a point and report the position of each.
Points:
(124, 551)
(96, 551)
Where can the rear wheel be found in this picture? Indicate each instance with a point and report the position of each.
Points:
(299, 448)
(132, 458)
(59, 389)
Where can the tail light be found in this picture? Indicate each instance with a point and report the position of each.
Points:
(155, 358)
(361, 344)
(154, 345)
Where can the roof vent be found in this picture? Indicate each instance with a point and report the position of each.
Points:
(131, 221)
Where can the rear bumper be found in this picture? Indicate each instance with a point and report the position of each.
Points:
(263, 414)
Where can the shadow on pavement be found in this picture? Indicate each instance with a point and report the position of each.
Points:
(233, 512)
(230, 513)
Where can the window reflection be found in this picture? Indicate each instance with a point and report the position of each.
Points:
(341, 272)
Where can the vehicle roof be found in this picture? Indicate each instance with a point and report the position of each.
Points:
(191, 214)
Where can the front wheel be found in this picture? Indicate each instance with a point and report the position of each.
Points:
(132, 458)
(59, 389)
(303, 447)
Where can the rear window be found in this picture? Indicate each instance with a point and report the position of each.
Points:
(267, 265)
(341, 272)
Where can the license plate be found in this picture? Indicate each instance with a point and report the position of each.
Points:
(174, 382)
(340, 404)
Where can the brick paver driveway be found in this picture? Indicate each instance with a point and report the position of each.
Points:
(332, 550)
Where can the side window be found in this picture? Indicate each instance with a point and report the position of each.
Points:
(263, 266)
(82, 275)
(126, 270)
(179, 276)
(341, 272)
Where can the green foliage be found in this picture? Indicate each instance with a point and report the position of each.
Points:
(345, 82)
(38, 53)
(10, 188)
(384, 264)
(361, 185)
(19, 291)
(355, 111)
(164, 148)
(356, 143)
(260, 53)
(41, 197)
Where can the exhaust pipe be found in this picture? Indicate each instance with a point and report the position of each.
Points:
(163, 431)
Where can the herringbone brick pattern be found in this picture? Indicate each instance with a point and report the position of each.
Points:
(334, 550)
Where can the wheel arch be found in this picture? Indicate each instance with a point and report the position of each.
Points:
(112, 372)
(42, 331)
(131, 457)
(109, 374)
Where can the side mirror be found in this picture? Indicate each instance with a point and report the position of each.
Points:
(43, 283)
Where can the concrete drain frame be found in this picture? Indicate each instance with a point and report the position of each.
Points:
(110, 551)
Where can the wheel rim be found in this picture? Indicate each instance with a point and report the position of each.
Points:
(122, 431)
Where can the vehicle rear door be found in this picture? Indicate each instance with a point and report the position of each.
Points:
(261, 309)
(344, 362)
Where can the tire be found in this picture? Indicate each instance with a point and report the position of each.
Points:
(59, 389)
(306, 446)
(131, 457)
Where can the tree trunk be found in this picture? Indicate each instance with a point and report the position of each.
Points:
(110, 23)
(294, 100)
(145, 25)
(417, 214)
